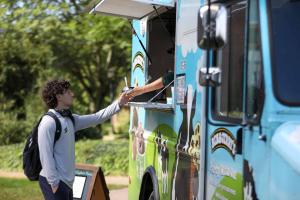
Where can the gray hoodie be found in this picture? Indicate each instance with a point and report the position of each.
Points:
(58, 163)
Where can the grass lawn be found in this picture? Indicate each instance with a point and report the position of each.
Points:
(16, 189)
(112, 156)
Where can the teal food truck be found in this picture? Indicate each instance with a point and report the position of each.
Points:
(228, 127)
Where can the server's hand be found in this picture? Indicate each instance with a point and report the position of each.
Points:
(135, 91)
(124, 98)
(155, 85)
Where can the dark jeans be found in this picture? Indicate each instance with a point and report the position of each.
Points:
(64, 192)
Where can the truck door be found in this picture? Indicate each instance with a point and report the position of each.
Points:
(224, 160)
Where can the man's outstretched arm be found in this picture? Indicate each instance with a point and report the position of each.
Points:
(85, 121)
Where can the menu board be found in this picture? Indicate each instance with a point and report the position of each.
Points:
(78, 185)
(89, 183)
(180, 89)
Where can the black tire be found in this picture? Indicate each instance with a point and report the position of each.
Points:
(149, 186)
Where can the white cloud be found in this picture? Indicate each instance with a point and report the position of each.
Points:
(201, 64)
(187, 26)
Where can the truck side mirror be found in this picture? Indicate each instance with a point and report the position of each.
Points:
(216, 28)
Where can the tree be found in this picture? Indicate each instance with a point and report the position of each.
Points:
(46, 39)
(95, 51)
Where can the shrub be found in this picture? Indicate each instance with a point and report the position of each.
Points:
(112, 156)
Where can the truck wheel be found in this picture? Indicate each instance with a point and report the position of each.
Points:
(149, 187)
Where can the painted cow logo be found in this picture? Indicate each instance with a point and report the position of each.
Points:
(186, 179)
(163, 156)
(249, 184)
(138, 143)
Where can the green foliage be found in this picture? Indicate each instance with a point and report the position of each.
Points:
(96, 50)
(123, 126)
(112, 156)
(42, 40)
(12, 132)
(11, 157)
(120, 130)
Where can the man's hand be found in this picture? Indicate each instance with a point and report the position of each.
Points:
(124, 98)
(54, 188)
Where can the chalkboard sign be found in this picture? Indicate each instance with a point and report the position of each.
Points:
(89, 183)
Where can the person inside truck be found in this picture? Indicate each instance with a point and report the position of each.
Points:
(165, 81)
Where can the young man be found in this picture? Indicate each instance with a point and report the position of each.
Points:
(58, 161)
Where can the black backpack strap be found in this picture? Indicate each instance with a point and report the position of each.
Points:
(73, 120)
(35, 130)
(58, 125)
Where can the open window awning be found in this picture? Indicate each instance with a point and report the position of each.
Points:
(131, 9)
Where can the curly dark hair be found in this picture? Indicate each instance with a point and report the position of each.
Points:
(51, 89)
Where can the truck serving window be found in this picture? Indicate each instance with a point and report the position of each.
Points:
(285, 27)
(228, 97)
(161, 47)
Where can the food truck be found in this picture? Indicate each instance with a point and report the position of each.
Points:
(228, 127)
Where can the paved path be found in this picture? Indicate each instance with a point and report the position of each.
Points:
(115, 180)
(121, 194)
(12, 174)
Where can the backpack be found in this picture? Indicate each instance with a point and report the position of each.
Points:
(31, 157)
